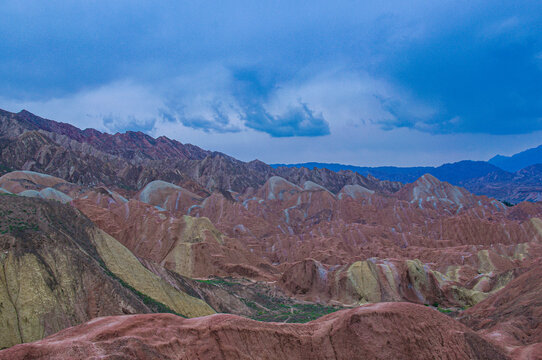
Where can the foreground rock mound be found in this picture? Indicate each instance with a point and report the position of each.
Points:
(379, 331)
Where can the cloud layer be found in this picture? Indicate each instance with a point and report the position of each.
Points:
(245, 77)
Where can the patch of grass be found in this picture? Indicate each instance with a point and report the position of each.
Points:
(16, 223)
(4, 169)
(295, 313)
(264, 305)
(441, 309)
(250, 304)
(216, 282)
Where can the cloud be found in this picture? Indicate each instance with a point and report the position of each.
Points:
(216, 117)
(222, 100)
(482, 74)
(119, 106)
(206, 100)
(295, 121)
(348, 99)
(246, 76)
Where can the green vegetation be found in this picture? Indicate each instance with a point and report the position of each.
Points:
(216, 282)
(294, 313)
(4, 169)
(13, 223)
(443, 310)
(509, 204)
(265, 305)
(275, 309)
(250, 304)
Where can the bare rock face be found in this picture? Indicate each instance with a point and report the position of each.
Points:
(523, 185)
(377, 280)
(379, 331)
(169, 197)
(59, 270)
(353, 248)
(190, 246)
(18, 181)
(51, 275)
(512, 316)
(335, 181)
(443, 246)
(121, 262)
(430, 191)
(430, 243)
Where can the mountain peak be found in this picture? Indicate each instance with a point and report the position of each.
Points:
(430, 189)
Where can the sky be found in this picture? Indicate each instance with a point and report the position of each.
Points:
(400, 83)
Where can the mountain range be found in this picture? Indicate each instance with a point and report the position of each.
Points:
(518, 161)
(512, 179)
(133, 159)
(126, 246)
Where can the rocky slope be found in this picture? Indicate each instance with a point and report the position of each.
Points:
(379, 331)
(130, 145)
(429, 243)
(512, 316)
(523, 185)
(59, 270)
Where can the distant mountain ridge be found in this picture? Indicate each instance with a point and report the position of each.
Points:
(518, 161)
(479, 177)
(133, 159)
(452, 172)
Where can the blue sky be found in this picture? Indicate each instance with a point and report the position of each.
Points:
(364, 83)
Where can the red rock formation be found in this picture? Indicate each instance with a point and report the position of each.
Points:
(168, 196)
(18, 181)
(512, 316)
(186, 245)
(440, 244)
(379, 331)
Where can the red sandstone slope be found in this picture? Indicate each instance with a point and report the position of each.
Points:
(436, 243)
(513, 316)
(379, 331)
(189, 246)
